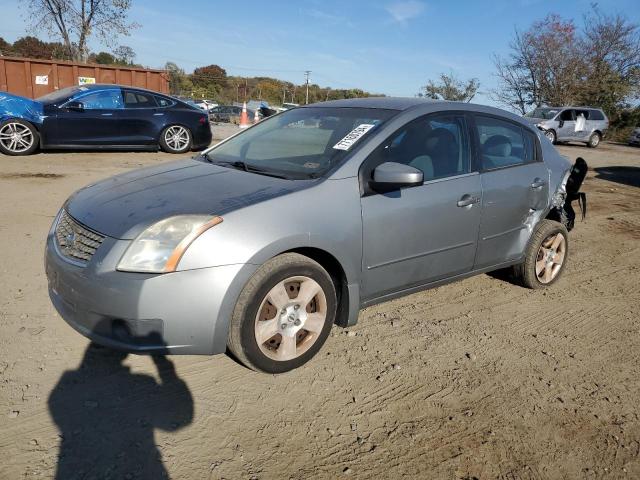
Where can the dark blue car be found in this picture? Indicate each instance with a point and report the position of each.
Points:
(101, 116)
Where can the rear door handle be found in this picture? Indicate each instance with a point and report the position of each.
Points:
(538, 183)
(107, 114)
(467, 200)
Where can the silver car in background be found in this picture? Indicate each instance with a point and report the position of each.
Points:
(634, 138)
(571, 124)
(263, 242)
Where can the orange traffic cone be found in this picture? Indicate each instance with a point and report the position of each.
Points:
(256, 118)
(244, 120)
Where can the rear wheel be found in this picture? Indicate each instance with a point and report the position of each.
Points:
(545, 256)
(176, 139)
(18, 137)
(594, 140)
(283, 315)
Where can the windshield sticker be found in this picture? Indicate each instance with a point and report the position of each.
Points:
(353, 136)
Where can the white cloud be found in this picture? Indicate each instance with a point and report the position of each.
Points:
(405, 10)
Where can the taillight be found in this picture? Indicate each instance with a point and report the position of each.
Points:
(203, 120)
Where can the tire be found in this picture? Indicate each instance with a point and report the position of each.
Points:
(594, 140)
(538, 249)
(18, 137)
(551, 135)
(176, 139)
(285, 342)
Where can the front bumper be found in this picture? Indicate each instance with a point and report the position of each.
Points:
(185, 312)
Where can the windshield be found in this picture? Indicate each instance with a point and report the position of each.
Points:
(58, 95)
(544, 113)
(300, 143)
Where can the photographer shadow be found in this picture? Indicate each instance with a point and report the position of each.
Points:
(107, 416)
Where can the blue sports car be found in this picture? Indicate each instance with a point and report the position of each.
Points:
(101, 116)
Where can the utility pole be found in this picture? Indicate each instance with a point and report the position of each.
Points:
(306, 76)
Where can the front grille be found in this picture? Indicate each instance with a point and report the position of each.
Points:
(75, 241)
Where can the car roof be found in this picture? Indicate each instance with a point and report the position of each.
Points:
(410, 103)
(573, 107)
(105, 86)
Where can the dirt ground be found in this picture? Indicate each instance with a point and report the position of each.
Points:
(476, 380)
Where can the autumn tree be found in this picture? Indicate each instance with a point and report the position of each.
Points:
(555, 63)
(74, 21)
(448, 87)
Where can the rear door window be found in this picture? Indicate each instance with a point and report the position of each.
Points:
(503, 143)
(134, 99)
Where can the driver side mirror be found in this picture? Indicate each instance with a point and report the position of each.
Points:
(74, 106)
(392, 175)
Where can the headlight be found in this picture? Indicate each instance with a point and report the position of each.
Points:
(160, 247)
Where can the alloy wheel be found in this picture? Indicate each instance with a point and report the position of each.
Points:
(16, 137)
(290, 318)
(550, 135)
(176, 137)
(595, 140)
(550, 257)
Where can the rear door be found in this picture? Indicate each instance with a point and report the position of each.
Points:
(141, 119)
(515, 184)
(421, 234)
(94, 124)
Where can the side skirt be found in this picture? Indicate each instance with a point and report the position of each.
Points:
(437, 283)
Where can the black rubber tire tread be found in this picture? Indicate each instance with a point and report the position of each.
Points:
(167, 148)
(241, 339)
(34, 132)
(525, 273)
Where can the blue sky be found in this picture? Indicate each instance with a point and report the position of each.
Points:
(388, 46)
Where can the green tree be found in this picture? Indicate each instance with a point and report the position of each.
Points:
(448, 87)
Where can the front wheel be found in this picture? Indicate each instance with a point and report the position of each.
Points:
(18, 137)
(283, 315)
(176, 139)
(545, 256)
(594, 140)
(551, 135)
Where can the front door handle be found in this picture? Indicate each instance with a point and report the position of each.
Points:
(467, 200)
(538, 183)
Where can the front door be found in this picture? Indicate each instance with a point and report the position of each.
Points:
(88, 119)
(421, 234)
(515, 184)
(567, 125)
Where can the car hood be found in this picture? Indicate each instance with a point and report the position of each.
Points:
(13, 106)
(124, 205)
(535, 121)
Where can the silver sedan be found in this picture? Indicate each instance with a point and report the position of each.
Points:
(263, 242)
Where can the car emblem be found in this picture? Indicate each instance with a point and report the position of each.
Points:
(70, 240)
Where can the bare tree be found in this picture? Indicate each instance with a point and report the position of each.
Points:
(74, 21)
(450, 88)
(612, 46)
(545, 66)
